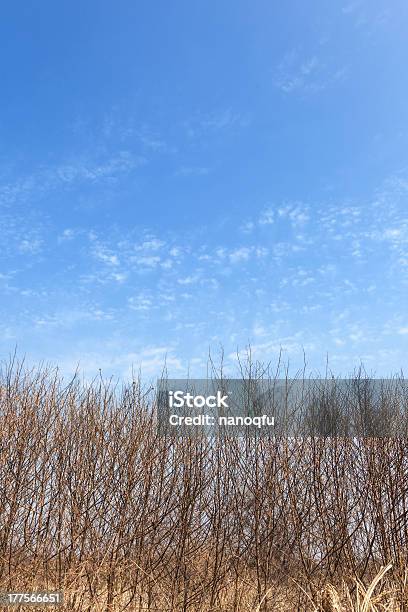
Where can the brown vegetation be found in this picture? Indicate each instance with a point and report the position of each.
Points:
(95, 503)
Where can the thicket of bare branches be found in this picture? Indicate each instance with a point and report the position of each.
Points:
(95, 503)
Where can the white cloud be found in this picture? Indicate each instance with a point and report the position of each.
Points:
(106, 255)
(119, 277)
(149, 361)
(31, 247)
(193, 171)
(152, 244)
(140, 302)
(67, 235)
(188, 280)
(305, 74)
(248, 227)
(204, 123)
(296, 213)
(238, 255)
(295, 73)
(267, 217)
(147, 261)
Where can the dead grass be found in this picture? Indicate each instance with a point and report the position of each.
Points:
(93, 502)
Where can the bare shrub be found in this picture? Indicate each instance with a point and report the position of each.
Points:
(95, 503)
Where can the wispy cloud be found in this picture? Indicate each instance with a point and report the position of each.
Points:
(204, 123)
(105, 255)
(298, 73)
(192, 171)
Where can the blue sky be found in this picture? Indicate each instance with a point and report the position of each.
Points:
(177, 177)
